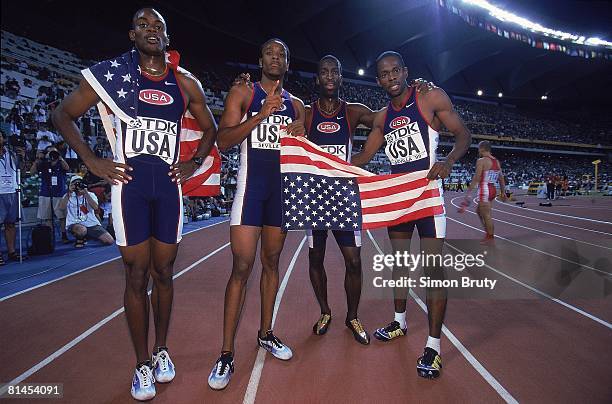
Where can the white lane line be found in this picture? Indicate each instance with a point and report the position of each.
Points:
(557, 214)
(550, 222)
(537, 230)
(489, 378)
(251, 391)
(539, 292)
(534, 249)
(88, 268)
(90, 331)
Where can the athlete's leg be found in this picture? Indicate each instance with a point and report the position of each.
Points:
(400, 242)
(352, 279)
(244, 247)
(485, 213)
(136, 260)
(435, 297)
(162, 294)
(318, 278)
(272, 241)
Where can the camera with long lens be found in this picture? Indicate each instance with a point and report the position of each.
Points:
(53, 155)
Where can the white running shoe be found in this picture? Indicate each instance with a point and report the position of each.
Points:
(143, 383)
(275, 346)
(163, 367)
(221, 373)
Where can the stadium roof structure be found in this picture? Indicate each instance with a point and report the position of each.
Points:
(436, 44)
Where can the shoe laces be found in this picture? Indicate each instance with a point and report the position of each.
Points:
(429, 355)
(357, 326)
(223, 363)
(270, 337)
(393, 325)
(146, 375)
(162, 358)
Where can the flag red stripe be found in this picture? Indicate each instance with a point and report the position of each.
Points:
(388, 207)
(377, 178)
(419, 214)
(409, 186)
(190, 123)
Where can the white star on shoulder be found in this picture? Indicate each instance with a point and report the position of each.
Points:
(121, 93)
(115, 64)
(108, 75)
(127, 78)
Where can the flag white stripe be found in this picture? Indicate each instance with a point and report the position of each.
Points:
(190, 135)
(300, 151)
(304, 168)
(396, 214)
(392, 182)
(397, 197)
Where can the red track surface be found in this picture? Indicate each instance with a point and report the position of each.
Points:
(533, 348)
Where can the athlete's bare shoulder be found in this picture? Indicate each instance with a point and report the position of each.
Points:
(358, 107)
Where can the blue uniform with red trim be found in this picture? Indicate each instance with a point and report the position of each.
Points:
(333, 134)
(257, 201)
(410, 145)
(150, 205)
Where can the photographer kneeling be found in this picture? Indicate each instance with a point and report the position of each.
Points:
(81, 218)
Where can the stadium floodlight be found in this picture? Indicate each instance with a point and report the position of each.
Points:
(507, 16)
(544, 97)
(499, 95)
(360, 72)
(479, 92)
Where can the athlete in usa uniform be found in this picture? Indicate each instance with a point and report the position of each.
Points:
(146, 196)
(408, 127)
(255, 119)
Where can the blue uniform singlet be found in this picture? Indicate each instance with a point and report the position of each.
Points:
(150, 205)
(410, 145)
(333, 134)
(257, 201)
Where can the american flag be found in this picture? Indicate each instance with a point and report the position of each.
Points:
(116, 83)
(321, 191)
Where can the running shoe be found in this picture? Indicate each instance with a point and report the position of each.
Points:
(163, 367)
(359, 333)
(221, 373)
(489, 240)
(143, 383)
(391, 331)
(430, 364)
(275, 346)
(322, 324)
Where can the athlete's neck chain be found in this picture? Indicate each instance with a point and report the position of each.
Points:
(154, 72)
(333, 110)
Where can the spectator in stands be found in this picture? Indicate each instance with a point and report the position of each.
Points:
(15, 121)
(45, 138)
(101, 148)
(81, 220)
(11, 88)
(52, 169)
(94, 183)
(9, 204)
(40, 115)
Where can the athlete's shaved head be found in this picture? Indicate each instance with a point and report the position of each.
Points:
(485, 145)
(394, 54)
(277, 40)
(330, 58)
(138, 13)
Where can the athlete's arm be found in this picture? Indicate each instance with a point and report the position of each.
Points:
(231, 131)
(307, 118)
(91, 200)
(442, 108)
(365, 115)
(296, 127)
(477, 176)
(200, 111)
(64, 117)
(502, 185)
(374, 142)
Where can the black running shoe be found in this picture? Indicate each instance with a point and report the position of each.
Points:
(430, 364)
(391, 331)
(358, 331)
(322, 324)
